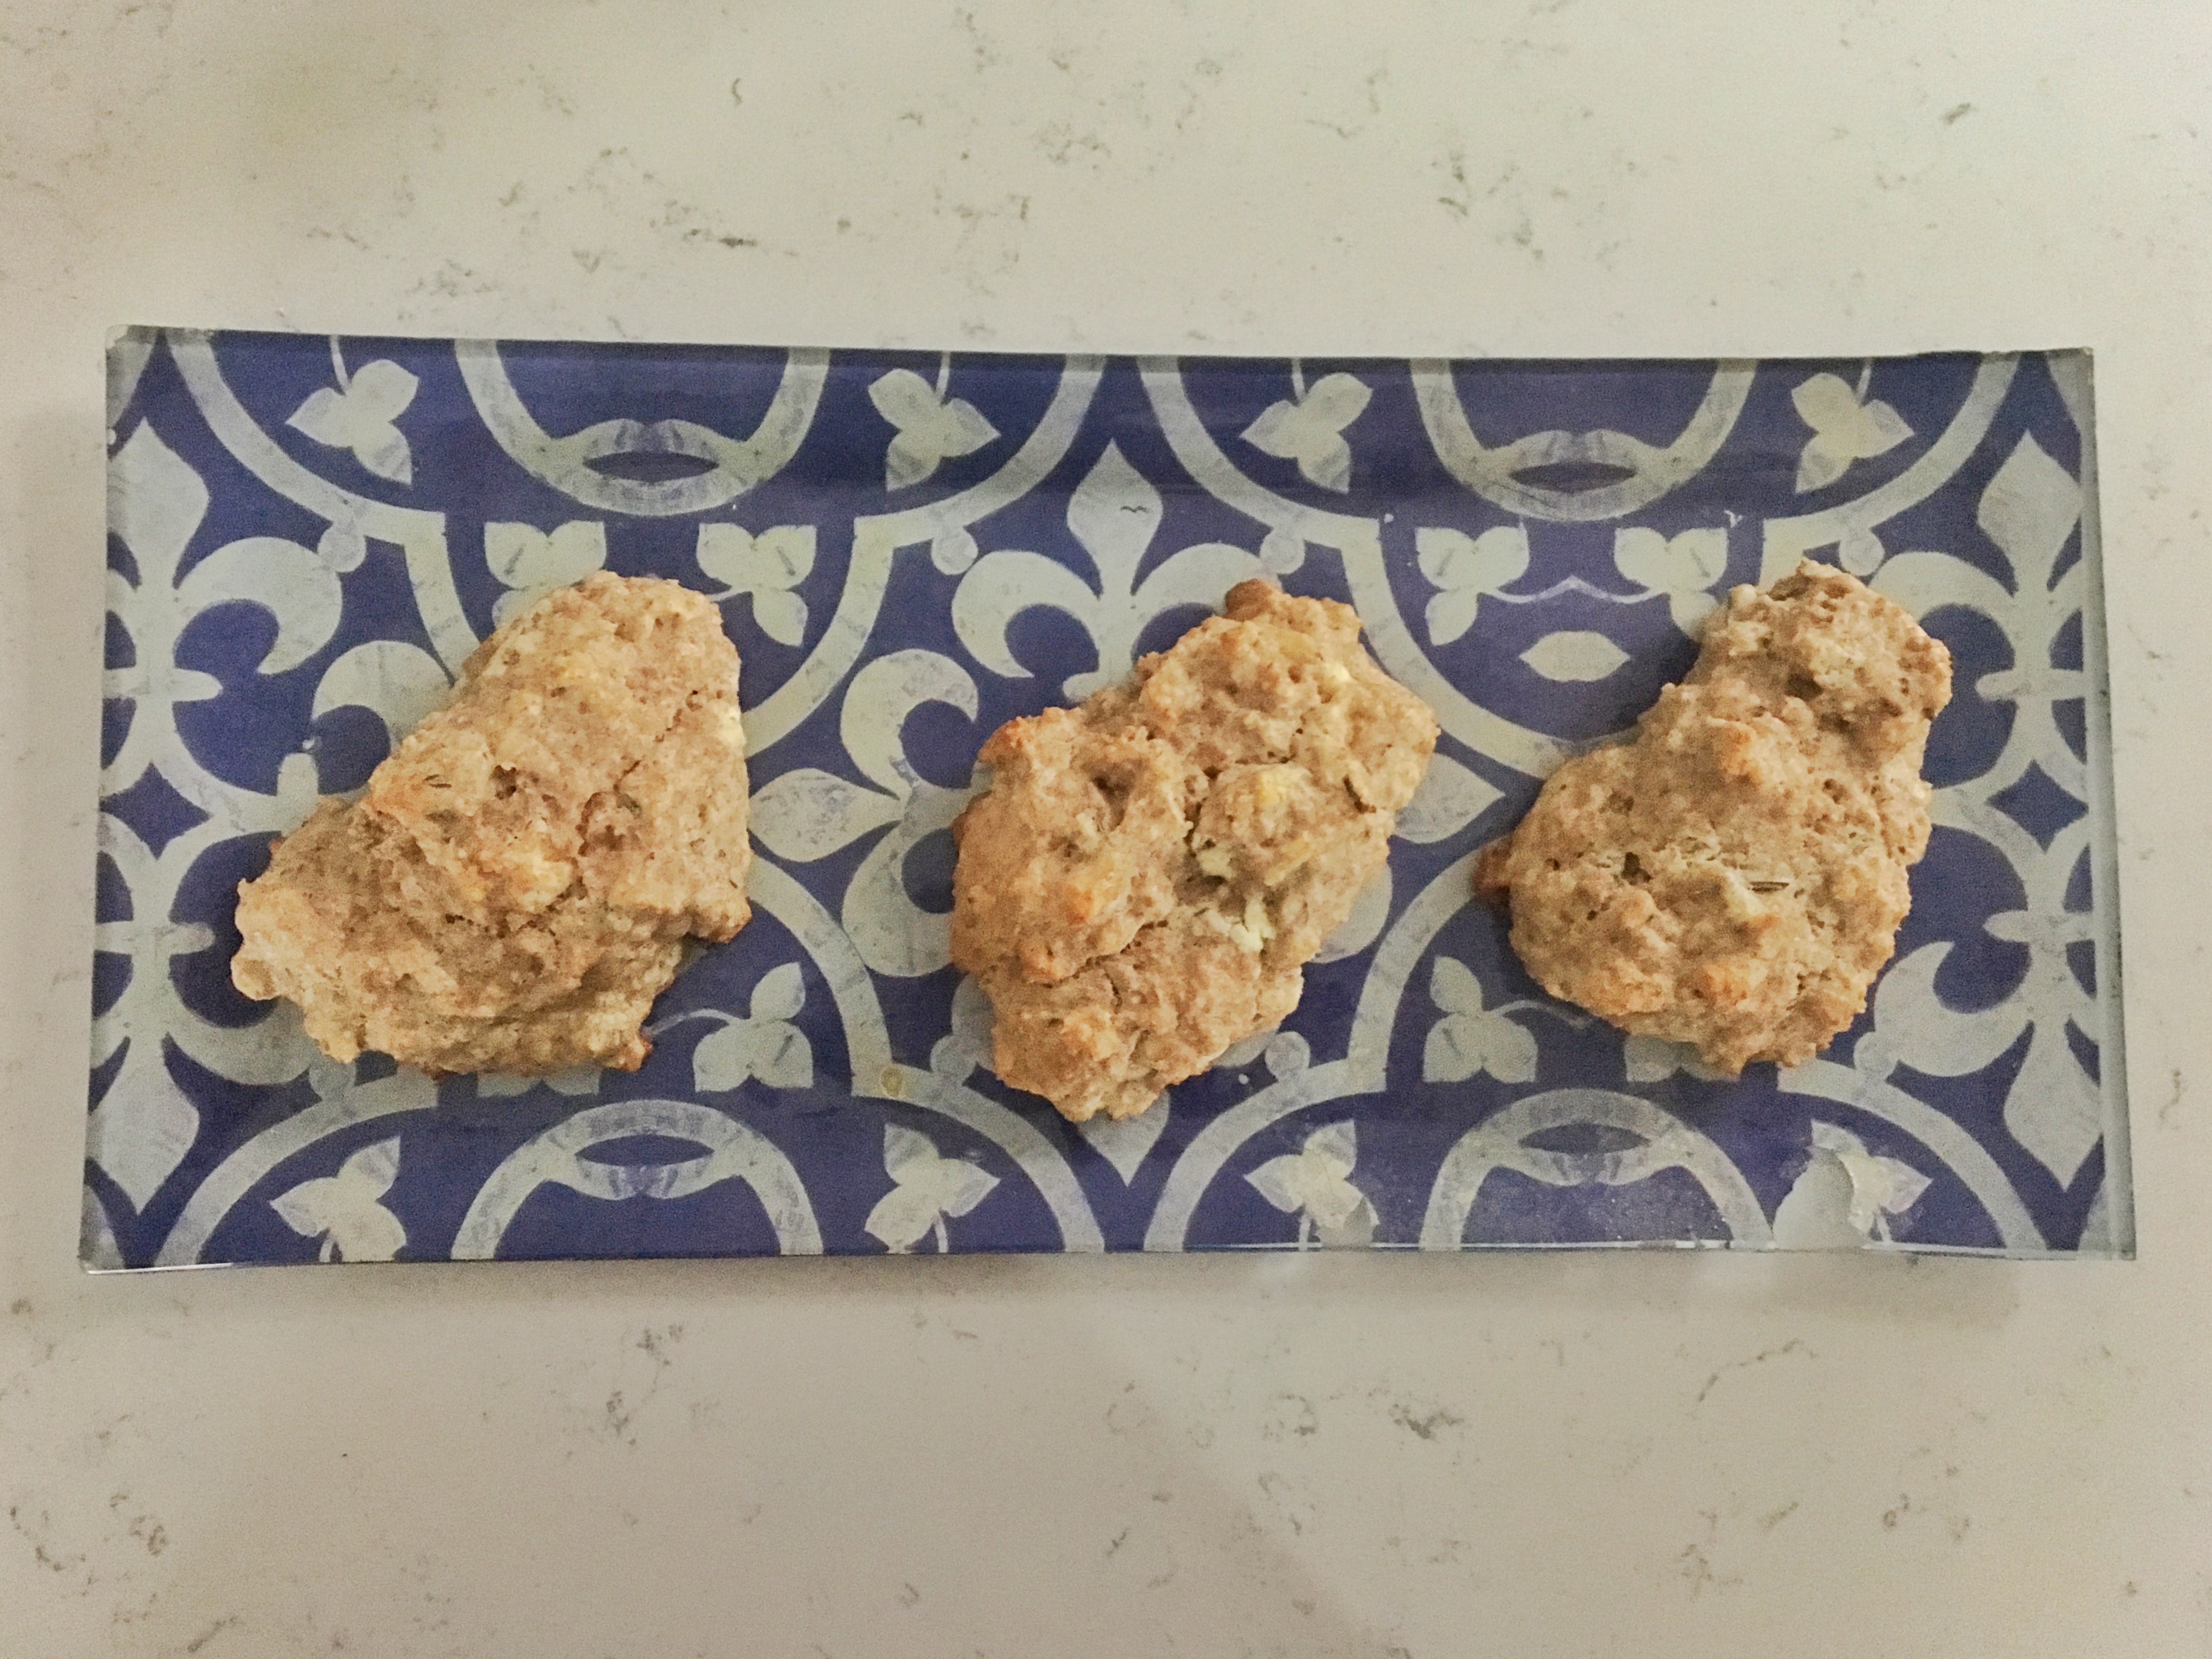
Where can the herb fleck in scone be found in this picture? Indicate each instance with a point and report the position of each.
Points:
(1735, 877)
(1149, 872)
(514, 887)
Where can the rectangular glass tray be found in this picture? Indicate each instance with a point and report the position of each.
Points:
(308, 535)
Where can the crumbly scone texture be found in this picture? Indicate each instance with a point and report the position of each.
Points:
(1734, 878)
(514, 888)
(1149, 872)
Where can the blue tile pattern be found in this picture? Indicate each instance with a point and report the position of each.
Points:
(308, 535)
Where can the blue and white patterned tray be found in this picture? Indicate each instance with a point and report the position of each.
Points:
(308, 535)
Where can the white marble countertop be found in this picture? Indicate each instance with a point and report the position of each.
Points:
(1645, 1455)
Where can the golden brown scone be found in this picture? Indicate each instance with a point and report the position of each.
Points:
(513, 889)
(1734, 878)
(1149, 872)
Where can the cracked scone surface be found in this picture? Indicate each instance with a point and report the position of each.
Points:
(1734, 878)
(1149, 872)
(514, 888)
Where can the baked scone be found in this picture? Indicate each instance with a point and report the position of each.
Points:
(514, 888)
(1149, 872)
(1734, 878)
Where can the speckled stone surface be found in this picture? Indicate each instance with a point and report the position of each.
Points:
(1299, 1455)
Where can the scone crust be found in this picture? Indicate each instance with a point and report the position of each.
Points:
(512, 889)
(1149, 872)
(1735, 877)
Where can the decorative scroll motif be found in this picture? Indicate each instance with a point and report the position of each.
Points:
(309, 537)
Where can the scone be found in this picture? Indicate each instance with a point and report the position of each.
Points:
(1149, 872)
(1734, 878)
(513, 889)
